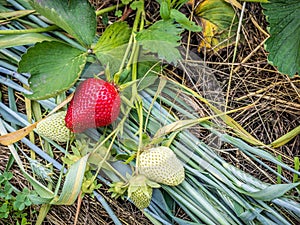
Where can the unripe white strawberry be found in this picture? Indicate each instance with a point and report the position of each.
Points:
(54, 127)
(161, 165)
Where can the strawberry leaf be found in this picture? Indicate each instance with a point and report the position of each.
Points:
(77, 17)
(114, 35)
(284, 42)
(180, 18)
(219, 22)
(111, 46)
(54, 67)
(162, 38)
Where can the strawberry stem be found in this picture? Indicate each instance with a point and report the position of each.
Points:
(139, 108)
(139, 21)
(134, 48)
(132, 45)
(108, 9)
(117, 75)
(100, 164)
(112, 135)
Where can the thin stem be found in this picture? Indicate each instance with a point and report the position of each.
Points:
(108, 9)
(139, 21)
(132, 45)
(117, 75)
(113, 134)
(139, 108)
(105, 157)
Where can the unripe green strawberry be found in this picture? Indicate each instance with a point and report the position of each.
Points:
(54, 127)
(142, 197)
(161, 165)
(140, 190)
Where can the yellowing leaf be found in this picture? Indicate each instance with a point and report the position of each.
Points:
(10, 138)
(219, 23)
(209, 30)
(17, 135)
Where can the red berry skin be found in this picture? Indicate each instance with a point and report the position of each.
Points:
(95, 103)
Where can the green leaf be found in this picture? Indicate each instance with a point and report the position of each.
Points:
(118, 13)
(112, 45)
(54, 68)
(114, 35)
(4, 211)
(73, 182)
(145, 82)
(164, 10)
(137, 5)
(7, 41)
(8, 175)
(162, 38)
(184, 21)
(273, 191)
(130, 144)
(284, 42)
(77, 17)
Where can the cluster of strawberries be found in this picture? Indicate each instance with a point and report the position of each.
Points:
(97, 103)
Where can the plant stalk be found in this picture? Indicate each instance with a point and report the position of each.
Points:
(108, 9)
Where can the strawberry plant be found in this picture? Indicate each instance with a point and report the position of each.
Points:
(148, 154)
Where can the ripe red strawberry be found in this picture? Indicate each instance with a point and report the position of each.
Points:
(95, 103)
